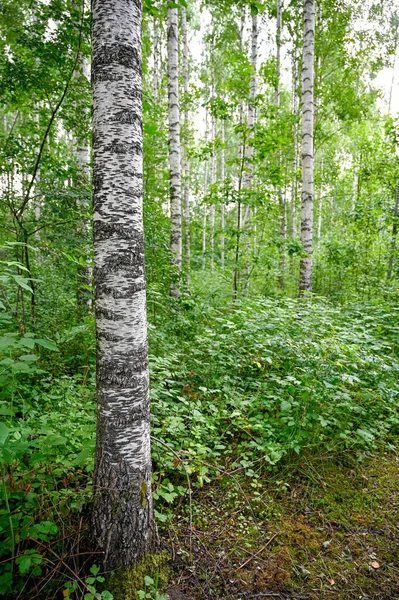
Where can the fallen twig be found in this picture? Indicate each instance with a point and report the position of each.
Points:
(258, 552)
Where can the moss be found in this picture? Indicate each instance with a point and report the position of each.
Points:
(125, 583)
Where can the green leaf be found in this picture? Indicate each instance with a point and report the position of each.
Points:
(28, 357)
(94, 569)
(24, 563)
(4, 431)
(79, 460)
(22, 283)
(28, 342)
(148, 581)
(47, 344)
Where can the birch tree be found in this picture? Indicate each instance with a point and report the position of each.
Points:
(123, 525)
(305, 277)
(222, 208)
(281, 199)
(185, 161)
(394, 234)
(174, 147)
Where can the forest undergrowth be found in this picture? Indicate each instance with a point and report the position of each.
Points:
(282, 417)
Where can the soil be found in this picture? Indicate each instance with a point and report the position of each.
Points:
(319, 530)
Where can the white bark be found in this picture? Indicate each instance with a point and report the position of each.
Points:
(83, 146)
(123, 526)
(294, 186)
(394, 234)
(38, 208)
(174, 148)
(204, 217)
(185, 162)
(155, 50)
(281, 198)
(354, 188)
(212, 206)
(319, 219)
(251, 118)
(222, 177)
(278, 55)
(305, 279)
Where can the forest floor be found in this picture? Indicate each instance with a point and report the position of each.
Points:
(320, 531)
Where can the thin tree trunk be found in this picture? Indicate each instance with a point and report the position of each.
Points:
(354, 189)
(320, 201)
(278, 55)
(186, 164)
(82, 146)
(155, 72)
(251, 120)
(37, 203)
(394, 234)
(212, 206)
(319, 219)
(204, 216)
(294, 186)
(242, 155)
(222, 177)
(123, 525)
(174, 149)
(281, 199)
(305, 279)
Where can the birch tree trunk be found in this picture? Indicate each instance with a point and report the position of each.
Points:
(305, 277)
(123, 525)
(222, 177)
(251, 120)
(294, 108)
(212, 206)
(185, 161)
(394, 234)
(204, 216)
(82, 145)
(155, 50)
(174, 148)
(280, 196)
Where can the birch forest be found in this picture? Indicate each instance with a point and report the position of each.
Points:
(199, 299)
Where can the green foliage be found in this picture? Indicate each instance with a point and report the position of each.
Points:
(276, 378)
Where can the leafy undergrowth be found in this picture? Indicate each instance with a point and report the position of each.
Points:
(323, 531)
(251, 388)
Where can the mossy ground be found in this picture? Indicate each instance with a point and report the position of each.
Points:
(319, 531)
(125, 583)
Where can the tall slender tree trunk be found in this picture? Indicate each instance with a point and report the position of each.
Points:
(354, 188)
(205, 210)
(82, 150)
(174, 148)
(394, 234)
(305, 278)
(222, 178)
(319, 219)
(123, 525)
(155, 51)
(294, 108)
(249, 151)
(320, 201)
(212, 206)
(186, 164)
(82, 144)
(280, 195)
